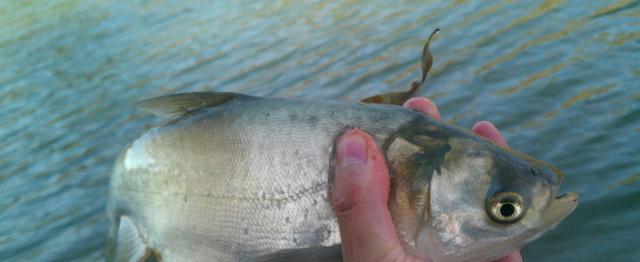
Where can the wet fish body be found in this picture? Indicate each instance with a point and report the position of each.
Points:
(243, 179)
(232, 177)
(251, 176)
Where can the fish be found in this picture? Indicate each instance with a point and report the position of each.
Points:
(235, 177)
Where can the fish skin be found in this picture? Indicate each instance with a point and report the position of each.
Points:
(250, 177)
(184, 181)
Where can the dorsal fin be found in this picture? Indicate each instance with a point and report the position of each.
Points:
(176, 105)
(398, 98)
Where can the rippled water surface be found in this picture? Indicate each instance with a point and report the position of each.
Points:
(560, 78)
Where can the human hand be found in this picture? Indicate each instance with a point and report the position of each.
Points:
(361, 192)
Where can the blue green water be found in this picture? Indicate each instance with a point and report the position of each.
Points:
(561, 79)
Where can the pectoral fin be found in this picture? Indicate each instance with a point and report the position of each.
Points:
(398, 98)
(129, 244)
(393, 98)
(314, 254)
(171, 106)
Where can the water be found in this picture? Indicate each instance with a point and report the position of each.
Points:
(560, 78)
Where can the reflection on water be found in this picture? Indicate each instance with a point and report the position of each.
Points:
(560, 78)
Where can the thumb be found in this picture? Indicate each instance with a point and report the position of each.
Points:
(359, 197)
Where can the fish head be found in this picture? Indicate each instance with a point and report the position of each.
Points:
(456, 196)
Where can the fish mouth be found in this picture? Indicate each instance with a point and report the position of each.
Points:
(573, 196)
(560, 207)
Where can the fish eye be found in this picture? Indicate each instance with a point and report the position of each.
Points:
(506, 207)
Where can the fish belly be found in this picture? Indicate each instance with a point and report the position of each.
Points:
(239, 180)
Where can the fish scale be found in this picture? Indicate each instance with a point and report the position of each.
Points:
(211, 173)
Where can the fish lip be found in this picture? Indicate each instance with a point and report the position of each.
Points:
(559, 208)
(571, 196)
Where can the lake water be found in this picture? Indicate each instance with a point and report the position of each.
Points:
(561, 79)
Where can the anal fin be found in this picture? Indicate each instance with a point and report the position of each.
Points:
(312, 254)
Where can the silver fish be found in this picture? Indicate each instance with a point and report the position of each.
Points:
(233, 177)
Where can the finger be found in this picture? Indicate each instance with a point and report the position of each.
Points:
(489, 131)
(511, 257)
(359, 197)
(423, 105)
